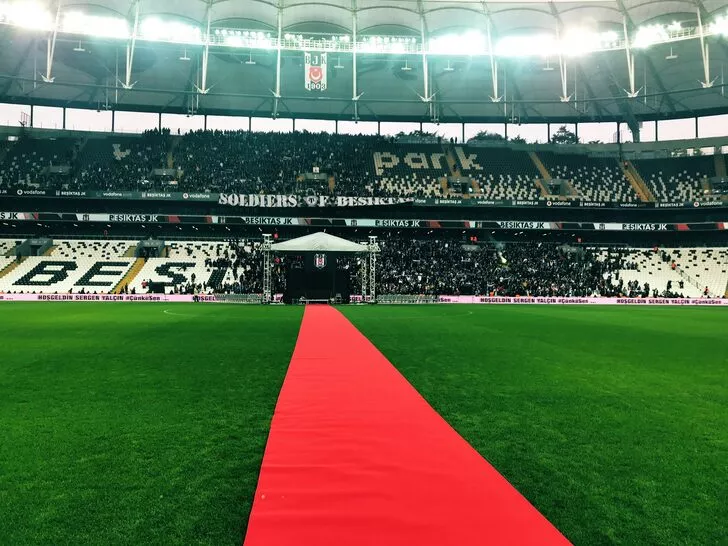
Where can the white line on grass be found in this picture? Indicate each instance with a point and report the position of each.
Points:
(168, 312)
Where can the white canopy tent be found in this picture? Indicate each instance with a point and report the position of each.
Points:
(319, 242)
(323, 242)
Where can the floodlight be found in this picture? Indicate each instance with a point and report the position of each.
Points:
(470, 43)
(155, 29)
(720, 25)
(650, 35)
(105, 27)
(29, 15)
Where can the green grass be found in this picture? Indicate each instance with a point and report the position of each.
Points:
(612, 421)
(121, 424)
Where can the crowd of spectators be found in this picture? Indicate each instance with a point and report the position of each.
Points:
(409, 266)
(437, 267)
(124, 164)
(303, 162)
(245, 162)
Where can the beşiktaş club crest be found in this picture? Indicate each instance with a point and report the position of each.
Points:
(319, 260)
(315, 67)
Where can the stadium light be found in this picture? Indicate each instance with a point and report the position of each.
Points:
(526, 46)
(155, 29)
(650, 35)
(575, 42)
(470, 43)
(106, 27)
(720, 26)
(28, 15)
(35, 16)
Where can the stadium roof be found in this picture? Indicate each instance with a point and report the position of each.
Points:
(485, 61)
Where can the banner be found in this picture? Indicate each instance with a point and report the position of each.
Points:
(581, 301)
(316, 78)
(321, 201)
(301, 201)
(140, 298)
(477, 300)
(381, 223)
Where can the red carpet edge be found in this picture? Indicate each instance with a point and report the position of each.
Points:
(356, 457)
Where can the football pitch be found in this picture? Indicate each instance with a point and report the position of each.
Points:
(146, 423)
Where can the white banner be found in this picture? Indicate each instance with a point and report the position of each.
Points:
(162, 298)
(316, 78)
(294, 201)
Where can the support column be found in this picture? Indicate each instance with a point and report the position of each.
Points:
(203, 89)
(705, 54)
(51, 49)
(64, 118)
(113, 120)
(355, 95)
(631, 92)
(277, 92)
(31, 115)
(267, 268)
(204, 122)
(364, 272)
(426, 98)
(130, 47)
(373, 249)
(495, 97)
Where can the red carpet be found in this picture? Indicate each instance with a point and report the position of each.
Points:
(357, 457)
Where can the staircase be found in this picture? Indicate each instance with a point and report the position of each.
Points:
(173, 144)
(130, 276)
(720, 169)
(541, 188)
(636, 181)
(4, 153)
(706, 186)
(49, 250)
(10, 267)
(130, 252)
(444, 186)
(690, 280)
(452, 162)
(78, 149)
(545, 174)
(332, 184)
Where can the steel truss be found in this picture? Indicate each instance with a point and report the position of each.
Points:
(372, 259)
(267, 268)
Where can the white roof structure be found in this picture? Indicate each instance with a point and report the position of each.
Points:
(319, 242)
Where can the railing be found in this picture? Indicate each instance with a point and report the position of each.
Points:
(691, 280)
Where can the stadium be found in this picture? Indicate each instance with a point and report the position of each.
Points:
(357, 272)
